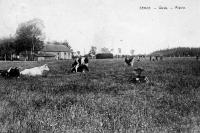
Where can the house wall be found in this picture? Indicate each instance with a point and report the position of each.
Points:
(61, 55)
(40, 58)
(44, 58)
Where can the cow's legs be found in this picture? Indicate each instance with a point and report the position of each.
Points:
(76, 68)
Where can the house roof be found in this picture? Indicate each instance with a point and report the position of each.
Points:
(55, 48)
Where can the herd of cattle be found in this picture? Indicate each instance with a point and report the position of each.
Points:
(80, 64)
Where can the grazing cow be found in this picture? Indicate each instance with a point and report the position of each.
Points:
(153, 58)
(80, 64)
(81, 61)
(156, 58)
(36, 71)
(11, 72)
(129, 61)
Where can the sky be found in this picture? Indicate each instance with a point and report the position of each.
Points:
(113, 24)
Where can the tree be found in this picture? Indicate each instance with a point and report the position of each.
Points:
(178, 52)
(66, 43)
(111, 50)
(7, 48)
(78, 53)
(93, 50)
(132, 51)
(119, 50)
(105, 50)
(29, 36)
(104, 55)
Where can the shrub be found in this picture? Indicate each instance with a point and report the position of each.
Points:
(104, 56)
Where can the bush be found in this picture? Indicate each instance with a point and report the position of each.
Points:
(104, 56)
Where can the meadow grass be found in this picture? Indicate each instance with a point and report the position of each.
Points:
(104, 99)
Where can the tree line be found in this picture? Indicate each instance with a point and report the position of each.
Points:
(178, 52)
(29, 38)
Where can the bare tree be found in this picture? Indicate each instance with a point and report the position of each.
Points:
(132, 51)
(93, 51)
(105, 50)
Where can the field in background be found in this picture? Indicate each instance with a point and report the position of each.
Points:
(103, 100)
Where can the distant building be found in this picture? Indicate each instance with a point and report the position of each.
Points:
(54, 51)
(49, 52)
(44, 56)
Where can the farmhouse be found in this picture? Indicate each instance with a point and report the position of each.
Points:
(54, 51)
(44, 56)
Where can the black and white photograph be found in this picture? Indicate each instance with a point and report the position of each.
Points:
(99, 66)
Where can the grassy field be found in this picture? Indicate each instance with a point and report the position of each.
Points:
(103, 100)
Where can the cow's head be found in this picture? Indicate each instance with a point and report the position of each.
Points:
(45, 67)
(85, 68)
(86, 60)
(14, 72)
(75, 63)
(138, 70)
(9, 69)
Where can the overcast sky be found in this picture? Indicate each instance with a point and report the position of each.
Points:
(109, 23)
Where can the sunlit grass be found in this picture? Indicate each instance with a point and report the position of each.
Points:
(103, 100)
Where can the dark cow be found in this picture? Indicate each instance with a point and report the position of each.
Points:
(80, 64)
(138, 78)
(129, 61)
(11, 72)
(14, 72)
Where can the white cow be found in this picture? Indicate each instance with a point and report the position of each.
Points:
(35, 71)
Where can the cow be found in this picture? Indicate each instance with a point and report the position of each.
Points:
(138, 78)
(80, 64)
(11, 72)
(156, 58)
(36, 71)
(129, 61)
(81, 61)
(80, 68)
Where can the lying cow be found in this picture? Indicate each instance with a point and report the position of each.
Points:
(36, 71)
(138, 78)
(11, 72)
(80, 64)
(129, 61)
